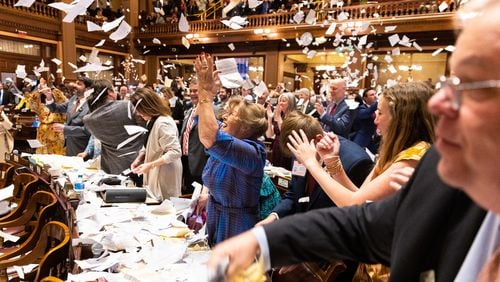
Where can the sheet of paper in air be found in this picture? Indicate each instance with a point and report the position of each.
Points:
(311, 17)
(24, 3)
(390, 28)
(93, 67)
(311, 54)
(21, 71)
(185, 42)
(156, 41)
(396, 51)
(392, 69)
(91, 26)
(388, 59)
(183, 24)
(415, 44)
(443, 6)
(72, 65)
(298, 17)
(252, 4)
(34, 143)
(305, 39)
(82, 58)
(260, 88)
(235, 22)
(231, 46)
(229, 75)
(139, 61)
(435, 53)
(342, 16)
(450, 48)
(121, 32)
(72, 10)
(331, 29)
(56, 61)
(394, 39)
(319, 40)
(107, 26)
(134, 129)
(128, 140)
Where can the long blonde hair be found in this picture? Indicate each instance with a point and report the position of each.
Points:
(411, 121)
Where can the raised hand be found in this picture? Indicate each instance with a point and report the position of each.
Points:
(303, 149)
(329, 145)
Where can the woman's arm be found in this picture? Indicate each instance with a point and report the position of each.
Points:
(207, 122)
(341, 195)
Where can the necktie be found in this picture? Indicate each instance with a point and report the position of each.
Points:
(1, 97)
(75, 107)
(332, 109)
(187, 131)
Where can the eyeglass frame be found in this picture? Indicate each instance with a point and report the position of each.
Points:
(457, 87)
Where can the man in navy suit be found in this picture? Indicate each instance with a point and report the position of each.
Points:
(337, 117)
(435, 228)
(364, 125)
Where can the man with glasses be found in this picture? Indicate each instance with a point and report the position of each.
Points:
(429, 230)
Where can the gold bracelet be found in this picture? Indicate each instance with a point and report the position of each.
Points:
(333, 165)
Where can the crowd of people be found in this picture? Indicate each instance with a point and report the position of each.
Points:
(394, 216)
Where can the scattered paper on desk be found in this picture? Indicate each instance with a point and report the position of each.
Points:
(6, 192)
(229, 75)
(21, 270)
(91, 26)
(24, 3)
(121, 32)
(183, 24)
(107, 26)
(165, 207)
(34, 143)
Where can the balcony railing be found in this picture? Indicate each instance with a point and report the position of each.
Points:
(370, 12)
(37, 9)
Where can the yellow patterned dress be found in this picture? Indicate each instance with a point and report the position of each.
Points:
(379, 272)
(53, 141)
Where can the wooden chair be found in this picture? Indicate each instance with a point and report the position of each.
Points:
(50, 253)
(6, 174)
(25, 185)
(42, 208)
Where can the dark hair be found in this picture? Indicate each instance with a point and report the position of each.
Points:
(100, 94)
(147, 102)
(87, 81)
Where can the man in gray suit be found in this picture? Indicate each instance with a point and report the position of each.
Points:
(337, 117)
(76, 136)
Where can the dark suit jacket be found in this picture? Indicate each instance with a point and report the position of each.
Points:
(8, 97)
(197, 158)
(357, 165)
(76, 136)
(340, 121)
(427, 226)
(364, 127)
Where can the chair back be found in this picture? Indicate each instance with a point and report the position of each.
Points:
(25, 185)
(55, 241)
(6, 174)
(42, 208)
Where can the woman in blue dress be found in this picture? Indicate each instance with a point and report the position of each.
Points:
(235, 167)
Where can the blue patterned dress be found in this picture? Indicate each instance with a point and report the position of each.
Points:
(233, 174)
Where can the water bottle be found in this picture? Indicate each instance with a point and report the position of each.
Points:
(36, 122)
(79, 185)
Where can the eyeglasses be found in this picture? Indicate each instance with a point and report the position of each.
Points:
(453, 84)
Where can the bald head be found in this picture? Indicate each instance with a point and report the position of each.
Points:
(337, 89)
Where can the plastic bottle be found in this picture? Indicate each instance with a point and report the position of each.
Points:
(79, 185)
(36, 122)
